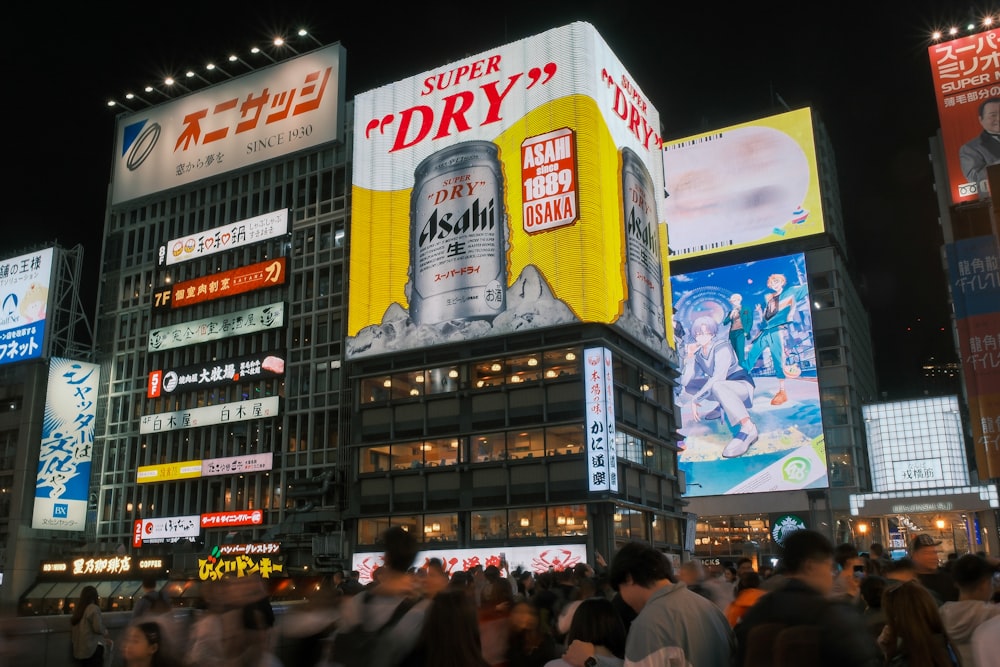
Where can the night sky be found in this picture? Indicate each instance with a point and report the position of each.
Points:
(703, 67)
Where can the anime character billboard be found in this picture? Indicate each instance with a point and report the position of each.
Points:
(748, 395)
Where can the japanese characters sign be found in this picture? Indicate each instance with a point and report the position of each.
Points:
(222, 519)
(223, 413)
(261, 275)
(214, 567)
(966, 74)
(516, 163)
(24, 301)
(62, 485)
(268, 113)
(215, 374)
(169, 529)
(602, 457)
(165, 472)
(252, 320)
(245, 232)
(920, 470)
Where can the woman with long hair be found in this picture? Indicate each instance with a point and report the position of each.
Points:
(141, 646)
(450, 634)
(914, 635)
(88, 630)
(529, 642)
(596, 621)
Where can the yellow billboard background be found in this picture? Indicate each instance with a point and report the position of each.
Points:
(582, 263)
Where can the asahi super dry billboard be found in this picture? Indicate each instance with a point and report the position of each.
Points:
(514, 189)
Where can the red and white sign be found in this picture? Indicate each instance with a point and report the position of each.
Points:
(220, 285)
(223, 519)
(966, 74)
(168, 529)
(549, 179)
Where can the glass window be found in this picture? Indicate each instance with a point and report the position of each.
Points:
(442, 380)
(524, 369)
(560, 363)
(489, 525)
(441, 528)
(489, 447)
(629, 447)
(370, 530)
(561, 440)
(441, 452)
(527, 522)
(568, 520)
(527, 444)
(488, 374)
(375, 389)
(375, 459)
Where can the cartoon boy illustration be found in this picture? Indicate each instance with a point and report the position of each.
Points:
(740, 320)
(779, 308)
(713, 377)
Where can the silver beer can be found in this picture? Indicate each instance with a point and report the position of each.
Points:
(458, 235)
(643, 261)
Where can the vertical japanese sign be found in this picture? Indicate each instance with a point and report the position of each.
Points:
(602, 454)
(24, 301)
(62, 485)
(263, 115)
(966, 74)
(974, 273)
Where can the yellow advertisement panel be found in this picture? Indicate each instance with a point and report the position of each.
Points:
(166, 472)
(516, 189)
(743, 186)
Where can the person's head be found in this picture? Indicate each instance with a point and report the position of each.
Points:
(524, 617)
(872, 588)
(450, 632)
(777, 282)
(736, 300)
(808, 556)
(704, 329)
(692, 572)
(912, 613)
(974, 577)
(597, 621)
(901, 569)
(989, 115)
(744, 565)
(924, 552)
(400, 549)
(141, 644)
(876, 550)
(637, 570)
(748, 579)
(88, 596)
(149, 583)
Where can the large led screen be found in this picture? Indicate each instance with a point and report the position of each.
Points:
(747, 394)
(24, 304)
(515, 189)
(742, 186)
(966, 74)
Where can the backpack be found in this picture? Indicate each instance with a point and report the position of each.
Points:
(360, 647)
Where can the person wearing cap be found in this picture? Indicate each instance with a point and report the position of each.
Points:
(974, 577)
(936, 579)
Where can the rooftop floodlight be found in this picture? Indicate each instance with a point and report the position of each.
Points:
(263, 53)
(305, 33)
(115, 103)
(936, 35)
(280, 42)
(191, 74)
(170, 82)
(970, 27)
(953, 31)
(213, 67)
(133, 96)
(988, 21)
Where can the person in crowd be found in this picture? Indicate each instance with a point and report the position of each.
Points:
(587, 588)
(495, 606)
(216, 638)
(878, 560)
(719, 584)
(526, 585)
(152, 600)
(973, 575)
(669, 616)
(596, 622)
(436, 579)
(914, 635)
(90, 636)
(872, 588)
(306, 630)
(692, 574)
(850, 571)
(986, 642)
(352, 583)
(449, 636)
(141, 646)
(901, 570)
(374, 607)
(936, 579)
(804, 602)
(529, 643)
(748, 591)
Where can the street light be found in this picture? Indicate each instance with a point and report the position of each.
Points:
(863, 529)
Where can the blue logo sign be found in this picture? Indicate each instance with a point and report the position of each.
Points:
(60, 510)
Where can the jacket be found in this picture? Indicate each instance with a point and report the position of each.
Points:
(961, 619)
(88, 633)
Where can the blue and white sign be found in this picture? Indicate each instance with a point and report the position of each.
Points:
(62, 485)
(24, 300)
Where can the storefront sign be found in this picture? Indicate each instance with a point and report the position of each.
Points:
(210, 415)
(215, 373)
(241, 323)
(602, 458)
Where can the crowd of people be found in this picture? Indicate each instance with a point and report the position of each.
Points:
(824, 604)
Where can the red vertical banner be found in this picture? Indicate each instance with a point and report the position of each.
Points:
(966, 74)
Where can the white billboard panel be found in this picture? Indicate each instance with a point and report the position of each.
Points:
(24, 302)
(224, 413)
(62, 486)
(225, 237)
(272, 112)
(240, 323)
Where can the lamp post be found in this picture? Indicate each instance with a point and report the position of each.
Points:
(863, 529)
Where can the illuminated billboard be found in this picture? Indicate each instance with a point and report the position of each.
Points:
(24, 303)
(62, 485)
(215, 373)
(515, 189)
(966, 74)
(230, 465)
(748, 394)
(236, 235)
(269, 273)
(240, 323)
(742, 186)
(209, 415)
(599, 406)
(268, 113)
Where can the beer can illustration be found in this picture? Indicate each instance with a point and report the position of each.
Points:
(458, 235)
(643, 261)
